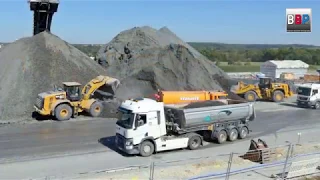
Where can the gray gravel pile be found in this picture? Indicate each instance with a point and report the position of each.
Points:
(146, 59)
(33, 65)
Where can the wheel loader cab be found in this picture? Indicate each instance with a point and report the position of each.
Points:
(265, 83)
(73, 90)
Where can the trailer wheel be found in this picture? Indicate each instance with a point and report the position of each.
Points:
(243, 132)
(194, 142)
(250, 96)
(146, 148)
(233, 134)
(63, 112)
(222, 136)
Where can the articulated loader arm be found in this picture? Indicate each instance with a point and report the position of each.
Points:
(243, 88)
(105, 85)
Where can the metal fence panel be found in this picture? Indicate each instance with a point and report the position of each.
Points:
(303, 167)
(285, 161)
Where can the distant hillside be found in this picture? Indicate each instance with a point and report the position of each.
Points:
(222, 46)
(89, 49)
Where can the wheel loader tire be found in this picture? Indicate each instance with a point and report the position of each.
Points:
(96, 109)
(63, 112)
(250, 96)
(277, 96)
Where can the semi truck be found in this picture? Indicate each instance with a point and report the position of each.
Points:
(308, 95)
(146, 126)
(186, 97)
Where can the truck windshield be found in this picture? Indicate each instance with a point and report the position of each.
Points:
(125, 119)
(304, 91)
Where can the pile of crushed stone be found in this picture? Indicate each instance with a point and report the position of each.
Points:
(146, 59)
(35, 64)
(228, 85)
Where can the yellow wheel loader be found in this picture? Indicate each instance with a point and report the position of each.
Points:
(265, 90)
(71, 100)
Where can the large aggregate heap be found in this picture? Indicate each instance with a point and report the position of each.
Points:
(146, 59)
(32, 65)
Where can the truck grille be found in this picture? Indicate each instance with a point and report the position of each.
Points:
(39, 102)
(120, 141)
(303, 98)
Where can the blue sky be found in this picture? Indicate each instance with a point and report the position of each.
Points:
(98, 21)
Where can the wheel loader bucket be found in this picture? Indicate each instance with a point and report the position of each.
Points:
(108, 90)
(255, 151)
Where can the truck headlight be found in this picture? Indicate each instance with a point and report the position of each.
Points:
(129, 142)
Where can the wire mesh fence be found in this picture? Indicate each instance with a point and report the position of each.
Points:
(287, 161)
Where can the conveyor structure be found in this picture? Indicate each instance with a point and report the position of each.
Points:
(43, 13)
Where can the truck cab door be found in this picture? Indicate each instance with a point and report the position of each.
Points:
(315, 95)
(154, 124)
(318, 94)
(141, 127)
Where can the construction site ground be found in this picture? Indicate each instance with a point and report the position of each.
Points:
(216, 162)
(67, 149)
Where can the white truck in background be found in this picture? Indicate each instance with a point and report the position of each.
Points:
(146, 126)
(308, 95)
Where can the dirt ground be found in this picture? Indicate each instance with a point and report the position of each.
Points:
(188, 169)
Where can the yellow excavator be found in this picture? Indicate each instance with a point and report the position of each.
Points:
(265, 90)
(71, 100)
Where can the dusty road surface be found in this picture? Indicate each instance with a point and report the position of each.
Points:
(30, 144)
(82, 136)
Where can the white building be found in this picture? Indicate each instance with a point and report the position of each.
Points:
(274, 68)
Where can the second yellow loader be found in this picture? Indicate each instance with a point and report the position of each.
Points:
(266, 89)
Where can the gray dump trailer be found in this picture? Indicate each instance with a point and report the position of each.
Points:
(184, 118)
(147, 126)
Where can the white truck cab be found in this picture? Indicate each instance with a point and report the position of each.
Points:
(308, 95)
(141, 123)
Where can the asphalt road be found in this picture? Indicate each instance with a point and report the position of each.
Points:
(49, 139)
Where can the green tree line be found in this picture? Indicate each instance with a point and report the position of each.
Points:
(232, 56)
(91, 50)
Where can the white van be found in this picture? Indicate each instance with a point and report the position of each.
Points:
(308, 95)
